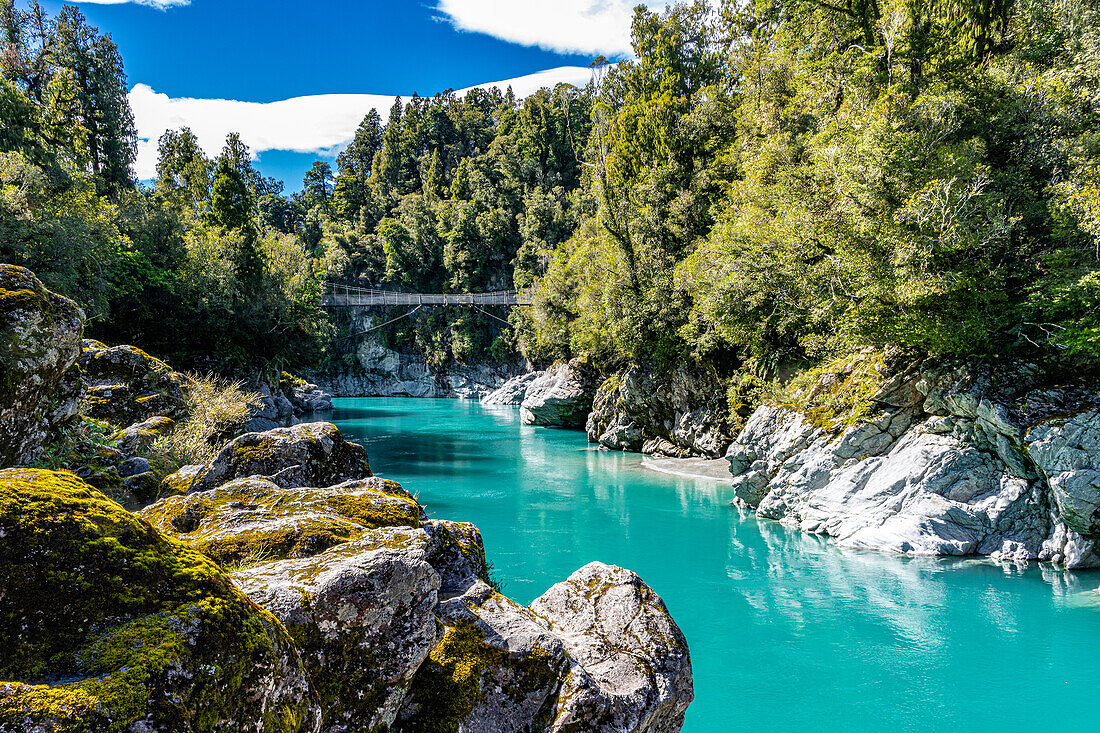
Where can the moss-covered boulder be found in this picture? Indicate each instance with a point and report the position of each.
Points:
(363, 615)
(252, 519)
(309, 454)
(496, 669)
(126, 386)
(40, 388)
(106, 625)
(139, 437)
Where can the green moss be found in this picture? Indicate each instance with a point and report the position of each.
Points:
(100, 614)
(454, 679)
(253, 517)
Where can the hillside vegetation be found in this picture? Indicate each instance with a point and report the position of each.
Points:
(765, 185)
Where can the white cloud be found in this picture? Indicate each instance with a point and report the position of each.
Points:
(317, 124)
(567, 26)
(159, 4)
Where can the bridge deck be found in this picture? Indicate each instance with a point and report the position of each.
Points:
(346, 297)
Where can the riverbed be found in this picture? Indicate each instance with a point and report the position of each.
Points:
(787, 631)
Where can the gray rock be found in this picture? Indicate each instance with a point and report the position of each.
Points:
(629, 664)
(41, 387)
(362, 617)
(497, 657)
(511, 392)
(1067, 451)
(140, 436)
(560, 396)
(309, 454)
(134, 466)
(945, 466)
(679, 413)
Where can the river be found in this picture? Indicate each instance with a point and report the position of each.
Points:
(787, 631)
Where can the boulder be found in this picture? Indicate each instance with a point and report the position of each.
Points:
(308, 454)
(496, 669)
(950, 459)
(511, 392)
(255, 519)
(304, 396)
(560, 396)
(107, 625)
(629, 666)
(40, 386)
(139, 437)
(127, 386)
(362, 615)
(678, 413)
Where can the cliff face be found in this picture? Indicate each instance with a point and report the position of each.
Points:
(380, 371)
(677, 413)
(951, 459)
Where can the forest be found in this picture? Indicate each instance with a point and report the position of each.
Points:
(765, 184)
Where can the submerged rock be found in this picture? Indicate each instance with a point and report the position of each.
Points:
(127, 386)
(308, 454)
(511, 392)
(560, 396)
(680, 413)
(952, 460)
(106, 625)
(40, 386)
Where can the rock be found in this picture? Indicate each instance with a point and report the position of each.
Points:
(630, 669)
(106, 625)
(255, 519)
(140, 436)
(362, 614)
(943, 463)
(304, 397)
(511, 392)
(496, 669)
(561, 396)
(1067, 452)
(399, 629)
(680, 413)
(309, 454)
(126, 386)
(133, 467)
(40, 387)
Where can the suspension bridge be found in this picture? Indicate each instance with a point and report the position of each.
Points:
(348, 296)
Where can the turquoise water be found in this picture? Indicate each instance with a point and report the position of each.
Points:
(786, 631)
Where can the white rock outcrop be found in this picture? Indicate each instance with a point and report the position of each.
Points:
(954, 460)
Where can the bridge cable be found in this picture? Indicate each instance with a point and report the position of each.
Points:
(506, 323)
(381, 325)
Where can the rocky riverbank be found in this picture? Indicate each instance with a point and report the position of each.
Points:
(950, 458)
(278, 586)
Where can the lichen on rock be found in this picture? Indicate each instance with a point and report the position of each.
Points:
(107, 625)
(127, 385)
(308, 454)
(40, 386)
(255, 518)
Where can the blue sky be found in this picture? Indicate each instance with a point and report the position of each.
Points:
(180, 57)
